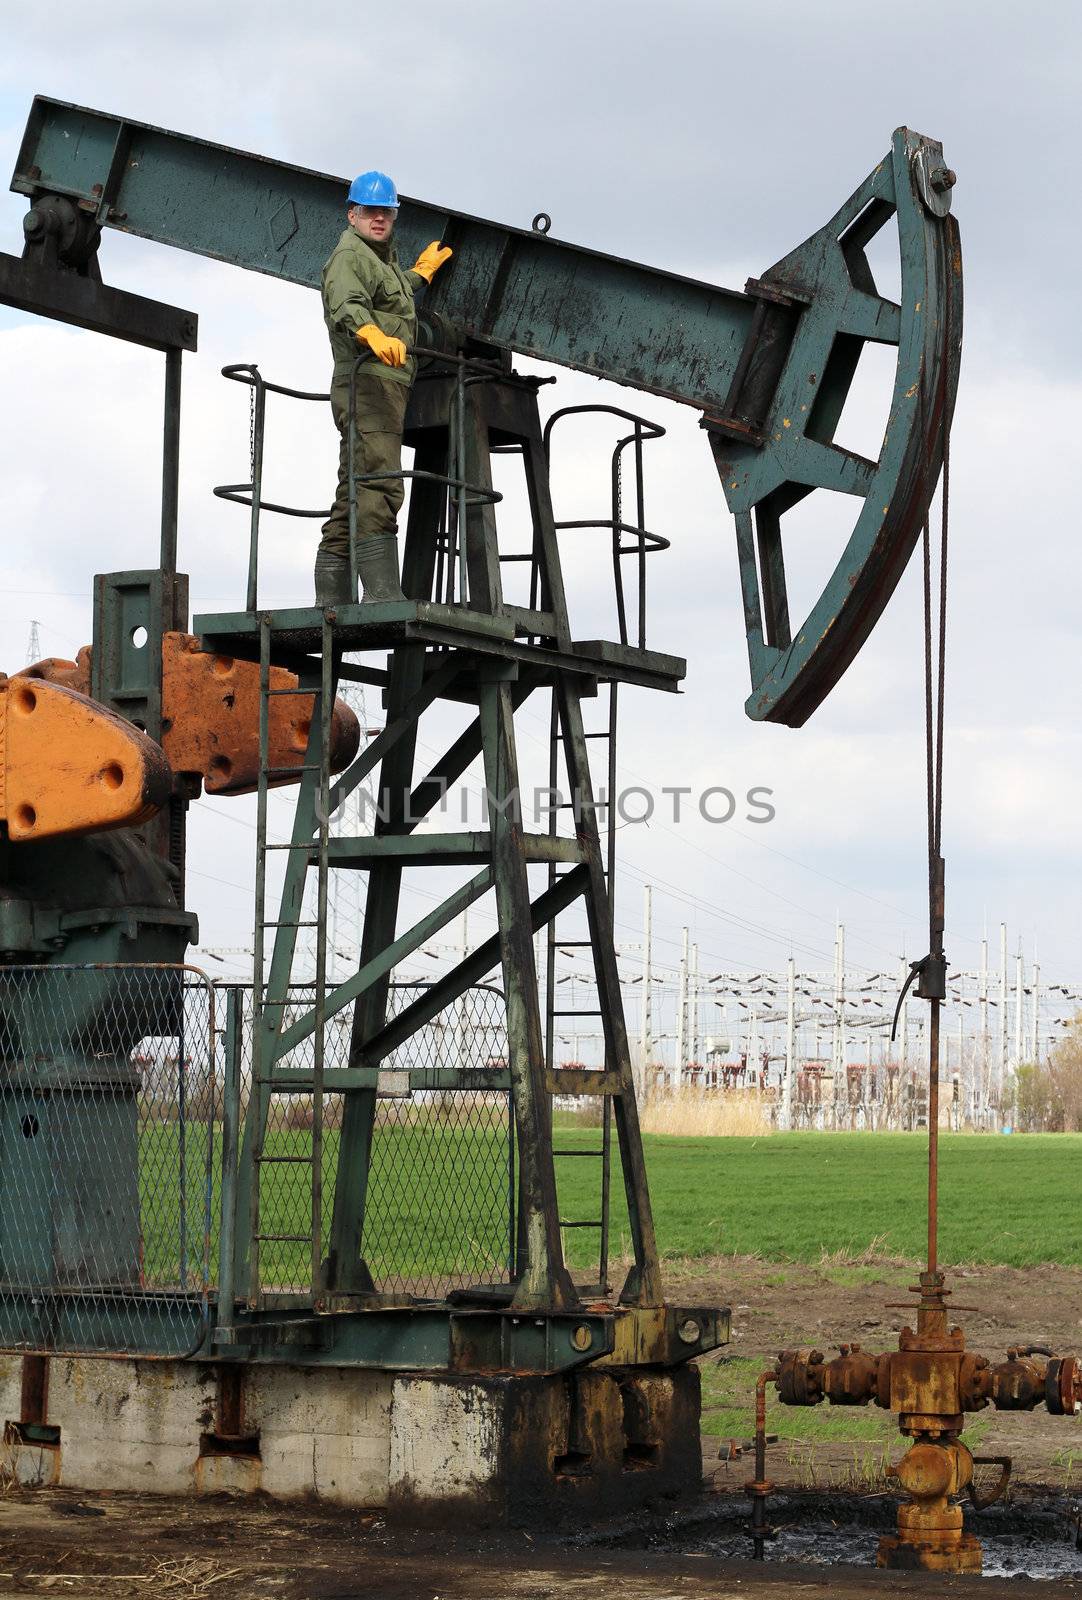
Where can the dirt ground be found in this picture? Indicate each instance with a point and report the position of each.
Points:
(103, 1547)
(112, 1547)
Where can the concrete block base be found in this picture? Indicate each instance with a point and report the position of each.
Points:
(503, 1449)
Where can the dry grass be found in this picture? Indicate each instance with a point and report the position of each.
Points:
(739, 1113)
(189, 1578)
(874, 1254)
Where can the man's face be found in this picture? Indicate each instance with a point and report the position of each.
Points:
(374, 223)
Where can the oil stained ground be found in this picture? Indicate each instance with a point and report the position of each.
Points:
(127, 1547)
(1036, 1535)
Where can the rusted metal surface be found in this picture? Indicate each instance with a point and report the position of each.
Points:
(210, 719)
(931, 1381)
(930, 1527)
(34, 1394)
(981, 1501)
(54, 669)
(760, 1486)
(664, 1336)
(210, 715)
(69, 765)
(587, 1444)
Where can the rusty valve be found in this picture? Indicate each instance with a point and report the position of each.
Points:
(1063, 1386)
(803, 1377)
(930, 1382)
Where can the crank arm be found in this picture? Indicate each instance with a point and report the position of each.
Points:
(830, 280)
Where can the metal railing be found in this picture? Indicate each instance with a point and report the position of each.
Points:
(466, 369)
(109, 1160)
(628, 538)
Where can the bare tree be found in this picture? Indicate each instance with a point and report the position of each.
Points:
(1065, 1073)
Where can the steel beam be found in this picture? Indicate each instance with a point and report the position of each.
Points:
(66, 297)
(470, 970)
(516, 289)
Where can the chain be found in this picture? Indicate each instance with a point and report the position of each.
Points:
(251, 431)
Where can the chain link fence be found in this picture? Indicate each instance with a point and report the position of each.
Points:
(108, 1158)
(111, 1156)
(440, 1204)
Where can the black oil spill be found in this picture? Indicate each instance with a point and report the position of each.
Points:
(1031, 1537)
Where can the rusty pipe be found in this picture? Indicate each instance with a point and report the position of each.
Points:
(760, 1486)
(760, 1423)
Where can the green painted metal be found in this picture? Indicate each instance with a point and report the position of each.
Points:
(770, 368)
(100, 1321)
(417, 677)
(66, 297)
(380, 966)
(69, 1202)
(515, 288)
(793, 667)
(427, 1338)
(132, 610)
(448, 849)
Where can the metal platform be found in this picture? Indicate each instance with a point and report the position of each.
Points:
(296, 640)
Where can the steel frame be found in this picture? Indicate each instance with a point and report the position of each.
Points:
(454, 423)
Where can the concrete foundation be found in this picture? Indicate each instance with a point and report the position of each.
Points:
(501, 1449)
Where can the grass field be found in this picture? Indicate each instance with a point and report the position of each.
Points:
(792, 1197)
(438, 1198)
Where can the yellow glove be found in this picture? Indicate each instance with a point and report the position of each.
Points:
(391, 351)
(431, 259)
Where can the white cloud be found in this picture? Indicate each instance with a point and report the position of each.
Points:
(574, 118)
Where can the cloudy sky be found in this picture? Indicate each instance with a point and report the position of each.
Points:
(709, 139)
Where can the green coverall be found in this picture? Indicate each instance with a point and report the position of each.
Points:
(364, 283)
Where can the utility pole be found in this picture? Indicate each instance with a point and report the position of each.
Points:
(1020, 991)
(1034, 1040)
(682, 1009)
(646, 1043)
(694, 1028)
(839, 1020)
(1018, 988)
(1001, 1076)
(866, 1090)
(33, 644)
(785, 1120)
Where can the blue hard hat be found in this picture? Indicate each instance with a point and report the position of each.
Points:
(373, 189)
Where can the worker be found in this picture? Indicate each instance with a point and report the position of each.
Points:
(368, 308)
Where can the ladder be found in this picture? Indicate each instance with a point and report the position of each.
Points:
(640, 545)
(270, 992)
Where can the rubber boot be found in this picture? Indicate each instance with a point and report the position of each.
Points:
(333, 587)
(377, 568)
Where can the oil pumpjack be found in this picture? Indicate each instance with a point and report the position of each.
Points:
(525, 1390)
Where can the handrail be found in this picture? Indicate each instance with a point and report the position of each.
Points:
(644, 542)
(468, 369)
